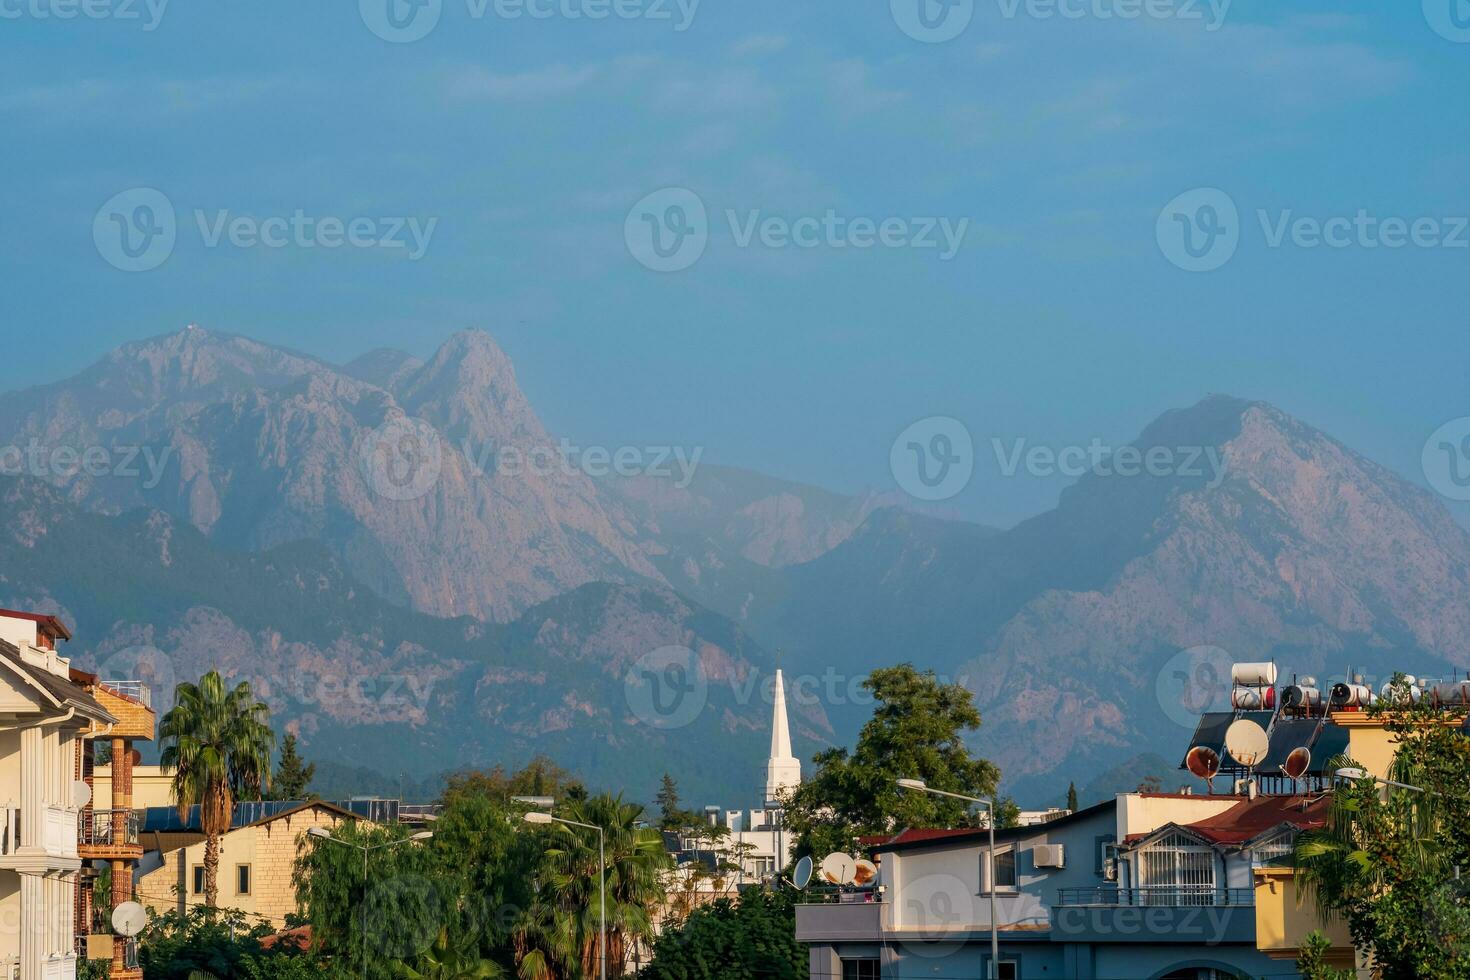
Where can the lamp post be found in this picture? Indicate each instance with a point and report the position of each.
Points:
(321, 833)
(1352, 772)
(545, 818)
(918, 786)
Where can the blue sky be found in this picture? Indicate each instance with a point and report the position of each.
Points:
(527, 141)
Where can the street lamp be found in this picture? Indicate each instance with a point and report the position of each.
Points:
(321, 833)
(918, 786)
(1352, 772)
(538, 817)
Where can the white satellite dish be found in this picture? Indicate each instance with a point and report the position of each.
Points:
(129, 919)
(81, 794)
(802, 876)
(866, 874)
(838, 869)
(1246, 742)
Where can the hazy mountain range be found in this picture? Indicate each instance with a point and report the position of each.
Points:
(326, 529)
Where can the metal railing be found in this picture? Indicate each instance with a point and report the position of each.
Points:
(104, 828)
(1156, 895)
(137, 690)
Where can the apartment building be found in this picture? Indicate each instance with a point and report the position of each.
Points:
(46, 718)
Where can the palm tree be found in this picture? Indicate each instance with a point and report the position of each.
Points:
(218, 744)
(448, 959)
(559, 935)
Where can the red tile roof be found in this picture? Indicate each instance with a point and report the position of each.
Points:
(915, 834)
(1251, 818)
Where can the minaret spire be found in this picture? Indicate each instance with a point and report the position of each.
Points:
(783, 771)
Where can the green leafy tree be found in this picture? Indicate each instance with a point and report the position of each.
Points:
(1072, 797)
(749, 938)
(451, 959)
(1311, 961)
(539, 777)
(917, 731)
(217, 742)
(1389, 861)
(293, 774)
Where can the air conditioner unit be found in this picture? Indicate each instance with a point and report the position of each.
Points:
(1049, 855)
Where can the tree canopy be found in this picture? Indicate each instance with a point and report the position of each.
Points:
(917, 731)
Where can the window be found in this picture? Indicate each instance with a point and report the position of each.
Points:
(1273, 850)
(1107, 858)
(1008, 970)
(242, 879)
(1005, 869)
(198, 879)
(1177, 870)
(865, 969)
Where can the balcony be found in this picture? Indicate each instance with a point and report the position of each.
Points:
(109, 834)
(137, 690)
(1201, 915)
(839, 921)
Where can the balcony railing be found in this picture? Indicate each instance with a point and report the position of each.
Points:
(137, 690)
(104, 828)
(1155, 895)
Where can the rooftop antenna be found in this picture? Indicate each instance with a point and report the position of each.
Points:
(838, 869)
(1203, 762)
(1247, 743)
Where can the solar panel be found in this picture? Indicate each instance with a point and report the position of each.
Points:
(1210, 732)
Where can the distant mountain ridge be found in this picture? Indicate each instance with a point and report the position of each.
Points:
(505, 588)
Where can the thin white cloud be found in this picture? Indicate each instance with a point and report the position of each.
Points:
(759, 44)
(527, 86)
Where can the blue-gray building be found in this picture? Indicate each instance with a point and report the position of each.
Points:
(1152, 886)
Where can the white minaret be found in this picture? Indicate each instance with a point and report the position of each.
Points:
(783, 771)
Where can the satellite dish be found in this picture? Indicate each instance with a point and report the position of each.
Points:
(802, 876)
(1203, 762)
(1298, 760)
(81, 794)
(838, 869)
(129, 918)
(1246, 742)
(866, 873)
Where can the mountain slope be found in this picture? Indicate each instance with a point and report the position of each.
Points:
(1303, 552)
(366, 683)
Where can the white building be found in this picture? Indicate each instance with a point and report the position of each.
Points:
(43, 714)
(760, 834)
